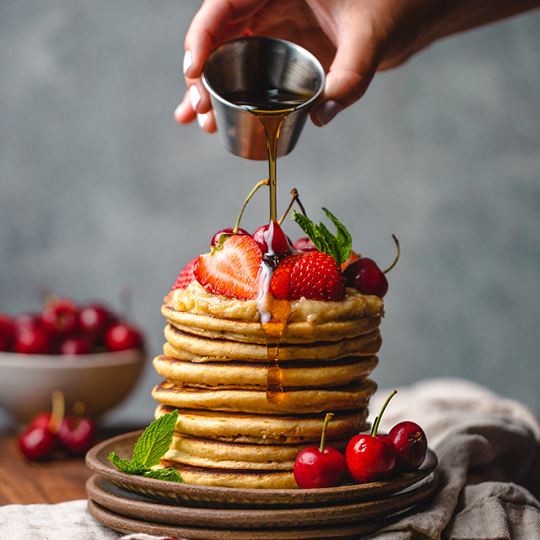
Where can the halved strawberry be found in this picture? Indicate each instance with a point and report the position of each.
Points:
(232, 270)
(313, 275)
(186, 276)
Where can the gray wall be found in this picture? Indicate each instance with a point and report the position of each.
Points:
(101, 189)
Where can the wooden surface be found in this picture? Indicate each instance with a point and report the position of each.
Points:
(58, 480)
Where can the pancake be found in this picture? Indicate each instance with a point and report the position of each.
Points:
(244, 375)
(249, 479)
(206, 348)
(252, 332)
(224, 455)
(266, 429)
(295, 401)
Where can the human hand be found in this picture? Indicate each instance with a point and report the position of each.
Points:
(351, 38)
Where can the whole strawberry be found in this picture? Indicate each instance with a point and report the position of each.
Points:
(313, 275)
(186, 276)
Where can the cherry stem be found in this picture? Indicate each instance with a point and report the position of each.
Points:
(397, 255)
(251, 193)
(57, 413)
(296, 197)
(323, 434)
(378, 419)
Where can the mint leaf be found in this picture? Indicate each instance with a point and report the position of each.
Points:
(124, 465)
(149, 449)
(338, 246)
(155, 440)
(170, 474)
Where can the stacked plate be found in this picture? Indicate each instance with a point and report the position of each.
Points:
(131, 504)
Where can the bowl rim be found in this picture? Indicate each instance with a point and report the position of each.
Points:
(63, 361)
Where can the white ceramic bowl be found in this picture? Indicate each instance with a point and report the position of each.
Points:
(100, 381)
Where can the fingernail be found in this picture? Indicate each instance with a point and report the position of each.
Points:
(194, 96)
(201, 119)
(187, 61)
(326, 111)
(177, 110)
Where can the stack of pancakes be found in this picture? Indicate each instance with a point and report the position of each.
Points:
(232, 431)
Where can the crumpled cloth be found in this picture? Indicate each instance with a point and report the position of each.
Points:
(488, 450)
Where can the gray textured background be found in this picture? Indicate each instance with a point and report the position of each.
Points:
(101, 189)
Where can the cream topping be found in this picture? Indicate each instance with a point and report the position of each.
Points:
(196, 299)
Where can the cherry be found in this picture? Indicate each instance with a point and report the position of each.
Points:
(369, 458)
(26, 320)
(7, 332)
(228, 231)
(33, 340)
(76, 345)
(60, 316)
(122, 336)
(37, 443)
(410, 442)
(304, 244)
(320, 467)
(280, 244)
(94, 320)
(365, 276)
(77, 435)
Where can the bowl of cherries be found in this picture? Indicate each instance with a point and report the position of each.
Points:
(86, 352)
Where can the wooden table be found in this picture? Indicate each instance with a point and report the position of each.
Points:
(58, 480)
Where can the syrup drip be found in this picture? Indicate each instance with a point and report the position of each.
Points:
(271, 106)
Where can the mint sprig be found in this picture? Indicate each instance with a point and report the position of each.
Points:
(149, 449)
(338, 246)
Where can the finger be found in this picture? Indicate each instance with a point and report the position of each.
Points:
(207, 121)
(349, 75)
(184, 113)
(215, 19)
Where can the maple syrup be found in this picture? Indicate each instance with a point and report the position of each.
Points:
(271, 106)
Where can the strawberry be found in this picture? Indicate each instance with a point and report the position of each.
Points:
(232, 270)
(313, 275)
(186, 276)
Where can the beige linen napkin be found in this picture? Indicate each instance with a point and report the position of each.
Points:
(488, 453)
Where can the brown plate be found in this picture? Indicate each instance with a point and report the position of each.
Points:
(131, 505)
(127, 525)
(214, 497)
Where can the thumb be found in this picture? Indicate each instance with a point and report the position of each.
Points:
(348, 78)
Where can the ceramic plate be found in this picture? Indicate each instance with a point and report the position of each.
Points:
(214, 497)
(127, 525)
(131, 505)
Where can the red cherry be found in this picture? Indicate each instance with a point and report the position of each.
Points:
(280, 244)
(26, 320)
(77, 435)
(33, 340)
(37, 443)
(319, 467)
(94, 320)
(76, 345)
(228, 230)
(304, 244)
(122, 336)
(369, 459)
(42, 420)
(7, 332)
(410, 442)
(365, 276)
(60, 316)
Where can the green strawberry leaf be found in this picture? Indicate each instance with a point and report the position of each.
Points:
(155, 440)
(338, 246)
(149, 449)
